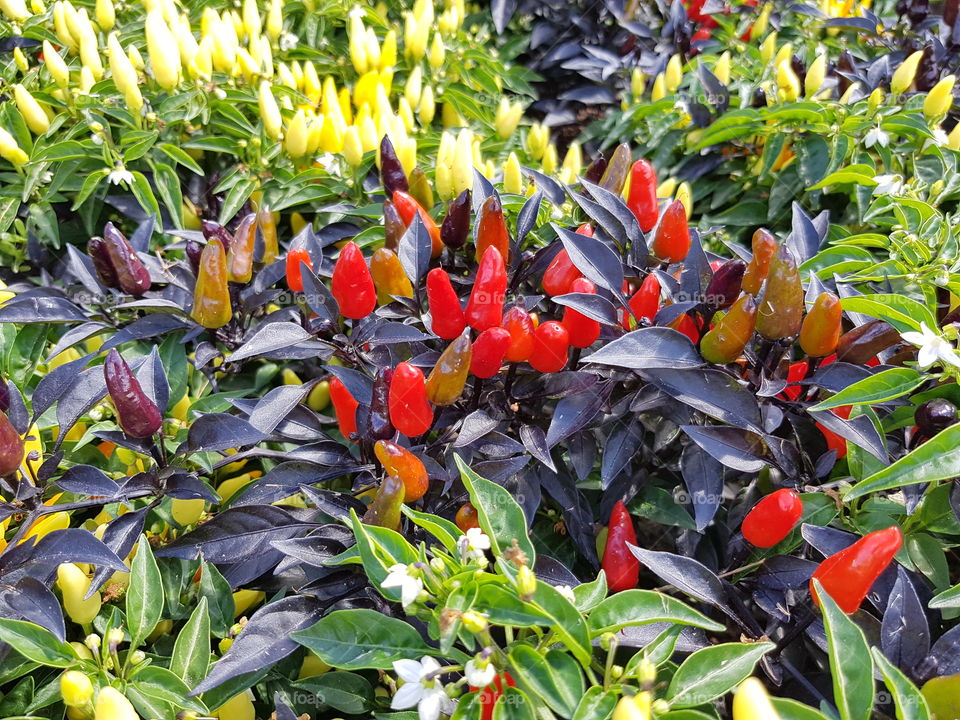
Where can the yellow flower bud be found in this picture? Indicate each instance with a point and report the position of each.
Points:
(526, 581)
(427, 107)
(15, 10)
(21, 60)
(239, 707)
(638, 82)
(437, 52)
(162, 50)
(673, 75)
(61, 25)
(512, 175)
(388, 51)
(474, 621)
(73, 584)
(788, 84)
(722, 68)
(275, 20)
(252, 24)
(659, 90)
(816, 74)
(31, 111)
(76, 688)
(903, 76)
(761, 23)
(751, 702)
(87, 80)
(136, 59)
(685, 195)
(768, 48)
(407, 154)
(537, 138)
(331, 136)
(105, 14)
(405, 113)
(295, 138)
(549, 160)
(875, 99)
(412, 88)
(113, 705)
(940, 98)
(352, 147)
(443, 181)
(573, 160)
(55, 65)
(122, 70)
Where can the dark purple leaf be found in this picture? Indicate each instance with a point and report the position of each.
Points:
(220, 431)
(535, 441)
(859, 430)
(592, 305)
(87, 480)
(273, 407)
(620, 447)
(736, 448)
(712, 392)
(595, 260)
(904, 634)
(648, 348)
(703, 476)
(575, 412)
(527, 217)
(414, 250)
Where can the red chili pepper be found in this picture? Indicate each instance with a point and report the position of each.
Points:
(848, 575)
(467, 517)
(642, 200)
(491, 693)
(137, 414)
(294, 258)
(645, 302)
(485, 308)
(408, 207)
(344, 407)
(492, 229)
(489, 349)
(620, 565)
(772, 519)
(583, 331)
(352, 284)
(551, 343)
(560, 274)
(517, 322)
(672, 240)
(401, 463)
(688, 326)
(11, 447)
(795, 373)
(446, 315)
(820, 331)
(410, 412)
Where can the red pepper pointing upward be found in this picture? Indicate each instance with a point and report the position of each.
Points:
(620, 565)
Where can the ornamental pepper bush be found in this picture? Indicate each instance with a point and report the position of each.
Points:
(430, 407)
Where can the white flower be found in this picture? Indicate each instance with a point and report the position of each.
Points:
(96, 139)
(328, 161)
(479, 674)
(421, 689)
(888, 185)
(933, 348)
(876, 136)
(288, 42)
(410, 587)
(567, 592)
(120, 175)
(473, 544)
(940, 137)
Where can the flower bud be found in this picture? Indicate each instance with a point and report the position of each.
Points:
(437, 52)
(512, 175)
(526, 581)
(427, 108)
(92, 641)
(474, 621)
(76, 689)
(269, 111)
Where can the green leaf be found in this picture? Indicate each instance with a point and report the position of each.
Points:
(343, 691)
(178, 155)
(215, 588)
(596, 704)
(37, 643)
(442, 529)
(657, 652)
(379, 549)
(358, 639)
(927, 554)
(499, 515)
(884, 386)
(191, 651)
(144, 599)
(714, 671)
(514, 704)
(640, 607)
(850, 663)
(902, 312)
(144, 194)
(910, 704)
(555, 677)
(588, 595)
(503, 607)
(235, 199)
(168, 185)
(160, 684)
(67, 150)
(936, 459)
(947, 599)
(793, 710)
(565, 620)
(90, 183)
